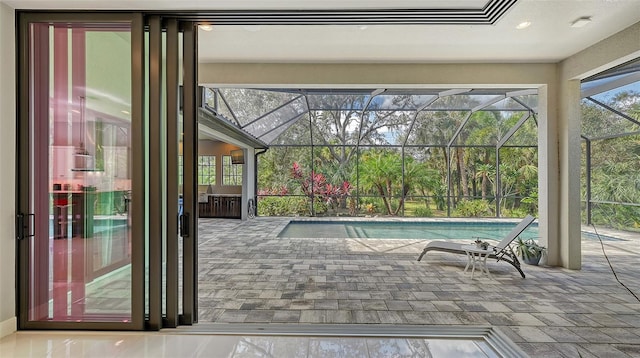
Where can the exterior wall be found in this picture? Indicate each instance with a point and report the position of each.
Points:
(377, 75)
(7, 178)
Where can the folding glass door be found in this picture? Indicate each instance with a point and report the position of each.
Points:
(81, 180)
(172, 140)
(107, 223)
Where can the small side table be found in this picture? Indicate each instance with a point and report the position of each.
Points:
(476, 255)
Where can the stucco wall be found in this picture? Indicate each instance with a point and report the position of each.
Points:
(7, 177)
(377, 75)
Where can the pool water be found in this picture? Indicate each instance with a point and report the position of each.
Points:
(404, 230)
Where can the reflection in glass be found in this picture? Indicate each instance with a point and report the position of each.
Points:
(383, 347)
(82, 270)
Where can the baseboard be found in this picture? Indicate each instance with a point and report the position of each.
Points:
(8, 326)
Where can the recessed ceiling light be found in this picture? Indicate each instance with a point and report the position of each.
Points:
(125, 112)
(206, 27)
(581, 21)
(523, 25)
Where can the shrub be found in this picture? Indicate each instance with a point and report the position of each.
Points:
(473, 208)
(514, 213)
(423, 212)
(320, 206)
(282, 206)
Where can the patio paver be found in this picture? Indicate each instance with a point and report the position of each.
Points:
(248, 274)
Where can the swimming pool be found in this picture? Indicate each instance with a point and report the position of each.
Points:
(458, 230)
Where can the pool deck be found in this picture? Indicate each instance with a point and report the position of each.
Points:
(249, 275)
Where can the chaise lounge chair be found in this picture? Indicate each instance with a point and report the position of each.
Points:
(502, 251)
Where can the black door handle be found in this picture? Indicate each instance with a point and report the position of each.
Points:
(23, 226)
(184, 225)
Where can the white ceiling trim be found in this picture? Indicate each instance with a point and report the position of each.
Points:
(486, 15)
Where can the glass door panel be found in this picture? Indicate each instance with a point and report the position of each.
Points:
(79, 258)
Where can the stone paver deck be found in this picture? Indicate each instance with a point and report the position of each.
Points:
(247, 274)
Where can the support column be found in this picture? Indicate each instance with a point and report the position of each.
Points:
(569, 126)
(548, 170)
(559, 172)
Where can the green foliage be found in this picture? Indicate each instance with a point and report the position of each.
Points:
(473, 208)
(514, 213)
(372, 206)
(417, 208)
(381, 173)
(615, 162)
(531, 202)
(320, 206)
(528, 249)
(616, 216)
(346, 139)
(109, 202)
(423, 212)
(283, 206)
(207, 169)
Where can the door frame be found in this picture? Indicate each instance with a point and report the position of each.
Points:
(152, 131)
(25, 169)
(190, 106)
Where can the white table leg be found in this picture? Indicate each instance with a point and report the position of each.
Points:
(484, 265)
(468, 262)
(473, 268)
(479, 257)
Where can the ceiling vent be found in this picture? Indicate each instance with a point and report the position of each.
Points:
(486, 15)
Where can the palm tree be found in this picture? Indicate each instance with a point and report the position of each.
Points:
(485, 172)
(378, 171)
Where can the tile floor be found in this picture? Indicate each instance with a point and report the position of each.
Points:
(249, 275)
(169, 345)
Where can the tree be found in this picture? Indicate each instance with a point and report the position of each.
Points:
(615, 160)
(381, 171)
(485, 172)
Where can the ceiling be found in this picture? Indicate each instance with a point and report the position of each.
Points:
(549, 38)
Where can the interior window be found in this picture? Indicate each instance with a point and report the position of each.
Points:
(207, 170)
(231, 173)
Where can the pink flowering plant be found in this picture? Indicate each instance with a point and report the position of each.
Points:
(315, 185)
